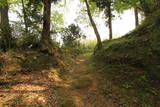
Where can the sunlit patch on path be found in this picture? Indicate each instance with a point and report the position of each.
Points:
(83, 90)
(77, 87)
(33, 89)
(79, 61)
(27, 87)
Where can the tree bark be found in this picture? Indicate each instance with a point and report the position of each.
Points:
(4, 17)
(136, 17)
(157, 3)
(5, 27)
(145, 7)
(110, 20)
(24, 16)
(46, 21)
(99, 43)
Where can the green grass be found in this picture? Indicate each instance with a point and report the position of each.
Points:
(133, 63)
(89, 44)
(108, 43)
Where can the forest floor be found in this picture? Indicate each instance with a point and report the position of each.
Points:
(82, 86)
(29, 80)
(78, 87)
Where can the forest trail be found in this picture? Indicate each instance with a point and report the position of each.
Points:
(78, 87)
(83, 86)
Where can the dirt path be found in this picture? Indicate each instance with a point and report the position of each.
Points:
(50, 88)
(83, 86)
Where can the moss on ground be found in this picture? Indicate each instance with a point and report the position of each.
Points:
(133, 62)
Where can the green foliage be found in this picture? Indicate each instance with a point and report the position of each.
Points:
(6, 2)
(28, 41)
(57, 19)
(71, 35)
(2, 3)
(36, 61)
(126, 86)
(139, 48)
(93, 7)
(150, 90)
(132, 62)
(33, 16)
(121, 5)
(85, 48)
(88, 45)
(102, 4)
(6, 40)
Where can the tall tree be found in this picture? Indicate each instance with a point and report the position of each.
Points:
(106, 5)
(146, 7)
(99, 43)
(136, 16)
(24, 16)
(109, 12)
(157, 3)
(46, 21)
(5, 27)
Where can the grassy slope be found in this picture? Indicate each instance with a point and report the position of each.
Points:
(133, 61)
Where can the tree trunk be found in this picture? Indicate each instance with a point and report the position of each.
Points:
(46, 21)
(136, 17)
(146, 8)
(46, 44)
(5, 27)
(110, 20)
(99, 43)
(24, 16)
(157, 3)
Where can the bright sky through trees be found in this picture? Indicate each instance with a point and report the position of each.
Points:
(121, 25)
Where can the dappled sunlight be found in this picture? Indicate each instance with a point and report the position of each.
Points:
(79, 53)
(28, 87)
(80, 61)
(78, 101)
(25, 87)
(53, 75)
(50, 86)
(6, 96)
(31, 97)
(25, 77)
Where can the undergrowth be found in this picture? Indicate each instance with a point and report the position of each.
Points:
(132, 62)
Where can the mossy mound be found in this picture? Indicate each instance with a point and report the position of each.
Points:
(132, 63)
(139, 48)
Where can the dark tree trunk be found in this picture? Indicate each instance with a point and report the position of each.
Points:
(46, 44)
(46, 21)
(24, 16)
(99, 43)
(5, 27)
(110, 20)
(146, 8)
(157, 3)
(136, 17)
